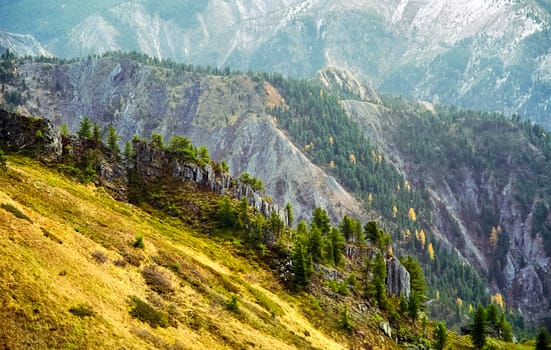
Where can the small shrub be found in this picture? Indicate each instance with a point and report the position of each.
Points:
(133, 259)
(82, 310)
(51, 236)
(157, 280)
(345, 321)
(232, 305)
(120, 262)
(99, 256)
(145, 313)
(16, 212)
(339, 287)
(175, 266)
(138, 242)
(3, 161)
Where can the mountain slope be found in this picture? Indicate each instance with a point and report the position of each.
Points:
(225, 113)
(482, 54)
(21, 45)
(73, 248)
(486, 178)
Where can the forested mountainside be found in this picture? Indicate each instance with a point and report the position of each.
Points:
(359, 146)
(188, 265)
(224, 113)
(480, 54)
(486, 179)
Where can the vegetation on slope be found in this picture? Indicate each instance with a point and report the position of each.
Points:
(50, 267)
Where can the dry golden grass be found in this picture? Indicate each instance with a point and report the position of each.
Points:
(47, 267)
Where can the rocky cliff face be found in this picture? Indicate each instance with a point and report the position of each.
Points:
(482, 54)
(37, 137)
(28, 135)
(226, 114)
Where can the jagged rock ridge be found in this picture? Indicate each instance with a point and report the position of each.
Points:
(226, 114)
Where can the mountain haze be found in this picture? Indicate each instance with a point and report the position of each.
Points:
(481, 54)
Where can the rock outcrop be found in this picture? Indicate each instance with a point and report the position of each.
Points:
(28, 135)
(397, 278)
(152, 162)
(37, 137)
(227, 114)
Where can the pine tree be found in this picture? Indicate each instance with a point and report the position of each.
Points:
(96, 133)
(376, 274)
(542, 339)
(347, 228)
(440, 336)
(64, 130)
(321, 220)
(112, 141)
(85, 129)
(290, 216)
(315, 244)
(346, 322)
(203, 155)
(129, 153)
(302, 265)
(225, 213)
(478, 333)
(418, 286)
(337, 245)
(157, 140)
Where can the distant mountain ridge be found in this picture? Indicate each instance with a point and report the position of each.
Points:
(21, 45)
(479, 54)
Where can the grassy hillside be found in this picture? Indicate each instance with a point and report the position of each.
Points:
(67, 246)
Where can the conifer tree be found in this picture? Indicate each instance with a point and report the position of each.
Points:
(440, 336)
(345, 321)
(129, 151)
(321, 220)
(347, 228)
(112, 141)
(379, 278)
(315, 244)
(542, 339)
(337, 246)
(85, 129)
(418, 286)
(64, 130)
(290, 216)
(226, 213)
(157, 140)
(302, 265)
(96, 133)
(478, 333)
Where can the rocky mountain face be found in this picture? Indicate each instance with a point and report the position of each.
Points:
(479, 54)
(226, 114)
(485, 178)
(21, 45)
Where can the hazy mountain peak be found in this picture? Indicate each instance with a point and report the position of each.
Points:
(22, 45)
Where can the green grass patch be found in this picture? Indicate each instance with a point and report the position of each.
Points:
(146, 313)
(82, 310)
